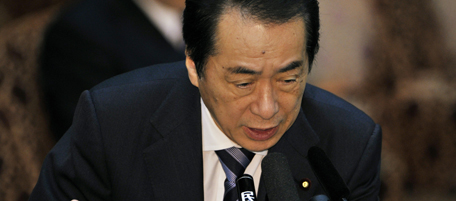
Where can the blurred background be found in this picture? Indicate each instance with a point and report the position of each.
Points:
(395, 60)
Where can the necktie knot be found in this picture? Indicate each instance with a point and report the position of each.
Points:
(234, 161)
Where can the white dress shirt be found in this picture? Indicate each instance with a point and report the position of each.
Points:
(167, 20)
(214, 176)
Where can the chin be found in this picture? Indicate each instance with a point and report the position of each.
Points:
(258, 146)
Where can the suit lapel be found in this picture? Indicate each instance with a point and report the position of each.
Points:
(295, 144)
(174, 161)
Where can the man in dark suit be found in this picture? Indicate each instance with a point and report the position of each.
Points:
(156, 133)
(93, 40)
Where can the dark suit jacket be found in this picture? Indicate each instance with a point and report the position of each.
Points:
(91, 41)
(138, 137)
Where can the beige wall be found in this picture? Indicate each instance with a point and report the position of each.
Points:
(346, 30)
(383, 60)
(447, 15)
(346, 27)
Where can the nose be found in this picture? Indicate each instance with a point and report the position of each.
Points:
(265, 103)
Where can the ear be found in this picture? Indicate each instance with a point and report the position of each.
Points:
(191, 69)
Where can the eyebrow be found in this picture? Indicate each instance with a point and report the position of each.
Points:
(244, 70)
(293, 65)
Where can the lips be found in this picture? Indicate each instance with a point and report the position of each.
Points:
(260, 134)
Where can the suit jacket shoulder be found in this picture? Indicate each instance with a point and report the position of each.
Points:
(350, 138)
(158, 92)
(335, 120)
(135, 136)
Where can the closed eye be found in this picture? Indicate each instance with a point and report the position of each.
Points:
(289, 81)
(243, 85)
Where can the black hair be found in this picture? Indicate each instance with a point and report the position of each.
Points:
(201, 18)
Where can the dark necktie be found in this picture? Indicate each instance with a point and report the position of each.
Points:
(234, 161)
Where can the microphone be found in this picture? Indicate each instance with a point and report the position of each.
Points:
(319, 198)
(278, 179)
(246, 188)
(327, 174)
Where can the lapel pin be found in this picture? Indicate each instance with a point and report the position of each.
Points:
(305, 184)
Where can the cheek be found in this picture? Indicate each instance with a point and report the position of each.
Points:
(211, 91)
(295, 95)
(225, 104)
(291, 103)
(235, 108)
(234, 113)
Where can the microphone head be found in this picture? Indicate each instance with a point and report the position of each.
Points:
(327, 174)
(246, 188)
(320, 198)
(278, 179)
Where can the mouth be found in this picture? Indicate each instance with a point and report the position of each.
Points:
(260, 134)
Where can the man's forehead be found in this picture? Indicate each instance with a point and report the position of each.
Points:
(233, 20)
(247, 46)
